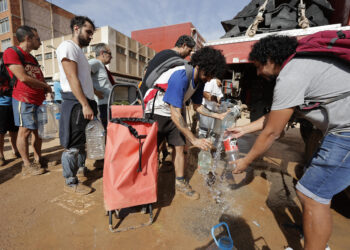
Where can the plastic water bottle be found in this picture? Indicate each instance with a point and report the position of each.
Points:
(232, 152)
(47, 123)
(95, 140)
(230, 118)
(205, 162)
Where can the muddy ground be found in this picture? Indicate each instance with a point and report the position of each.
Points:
(261, 210)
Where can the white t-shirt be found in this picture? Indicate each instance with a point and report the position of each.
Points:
(70, 50)
(213, 89)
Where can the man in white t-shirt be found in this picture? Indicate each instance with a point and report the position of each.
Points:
(211, 98)
(78, 106)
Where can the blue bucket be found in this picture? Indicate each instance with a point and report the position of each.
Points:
(224, 242)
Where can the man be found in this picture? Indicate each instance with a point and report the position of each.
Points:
(183, 48)
(28, 94)
(100, 79)
(168, 104)
(302, 79)
(78, 106)
(211, 99)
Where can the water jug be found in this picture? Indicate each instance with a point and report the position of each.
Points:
(205, 162)
(224, 242)
(95, 140)
(47, 123)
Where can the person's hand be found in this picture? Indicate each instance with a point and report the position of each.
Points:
(235, 132)
(99, 94)
(87, 112)
(222, 115)
(202, 143)
(47, 88)
(241, 165)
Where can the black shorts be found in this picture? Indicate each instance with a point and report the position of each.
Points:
(7, 122)
(168, 130)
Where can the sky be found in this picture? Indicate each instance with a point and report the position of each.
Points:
(129, 15)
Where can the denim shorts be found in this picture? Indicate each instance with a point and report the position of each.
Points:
(329, 170)
(25, 114)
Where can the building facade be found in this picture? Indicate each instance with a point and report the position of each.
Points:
(165, 37)
(129, 56)
(50, 20)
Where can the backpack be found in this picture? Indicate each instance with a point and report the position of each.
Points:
(328, 43)
(6, 82)
(161, 68)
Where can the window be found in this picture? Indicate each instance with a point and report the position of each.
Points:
(4, 25)
(3, 5)
(5, 44)
(84, 49)
(39, 57)
(142, 58)
(48, 56)
(120, 50)
(132, 54)
(92, 48)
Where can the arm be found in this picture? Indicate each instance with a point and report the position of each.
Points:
(276, 122)
(180, 123)
(204, 111)
(249, 128)
(21, 75)
(71, 70)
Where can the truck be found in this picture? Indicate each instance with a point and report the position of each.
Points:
(242, 84)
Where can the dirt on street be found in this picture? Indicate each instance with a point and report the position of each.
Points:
(261, 209)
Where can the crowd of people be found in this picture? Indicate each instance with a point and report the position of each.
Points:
(83, 87)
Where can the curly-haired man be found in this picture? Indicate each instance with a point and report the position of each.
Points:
(300, 80)
(167, 99)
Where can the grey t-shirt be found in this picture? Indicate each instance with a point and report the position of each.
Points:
(305, 79)
(100, 80)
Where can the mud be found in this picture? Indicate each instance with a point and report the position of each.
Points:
(261, 208)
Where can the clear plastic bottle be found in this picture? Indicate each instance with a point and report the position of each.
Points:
(47, 123)
(230, 118)
(205, 162)
(95, 140)
(232, 152)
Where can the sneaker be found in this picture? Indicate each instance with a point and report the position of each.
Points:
(81, 174)
(2, 161)
(79, 189)
(98, 164)
(32, 169)
(182, 187)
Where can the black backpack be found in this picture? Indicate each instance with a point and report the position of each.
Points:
(6, 82)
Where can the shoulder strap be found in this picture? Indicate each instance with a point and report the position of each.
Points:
(189, 72)
(19, 53)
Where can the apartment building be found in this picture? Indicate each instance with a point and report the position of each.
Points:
(129, 56)
(165, 37)
(50, 20)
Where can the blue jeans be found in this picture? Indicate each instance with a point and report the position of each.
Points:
(25, 114)
(73, 159)
(329, 170)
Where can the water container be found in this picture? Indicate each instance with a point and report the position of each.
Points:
(230, 118)
(205, 162)
(224, 242)
(47, 123)
(95, 140)
(232, 152)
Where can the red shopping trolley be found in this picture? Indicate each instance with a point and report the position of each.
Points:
(131, 157)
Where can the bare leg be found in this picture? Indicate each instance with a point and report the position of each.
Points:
(22, 144)
(179, 161)
(13, 138)
(317, 223)
(36, 143)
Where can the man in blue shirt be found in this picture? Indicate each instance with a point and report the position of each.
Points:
(166, 107)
